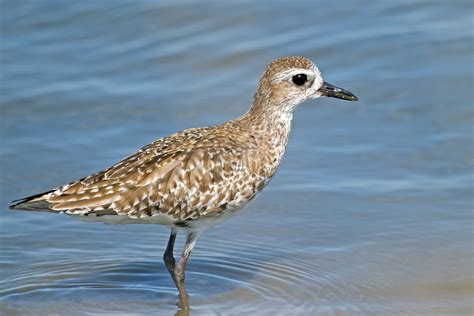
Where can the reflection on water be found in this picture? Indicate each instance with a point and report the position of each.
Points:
(370, 213)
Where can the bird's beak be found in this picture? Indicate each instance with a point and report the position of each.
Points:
(329, 90)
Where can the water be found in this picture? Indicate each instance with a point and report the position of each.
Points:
(371, 212)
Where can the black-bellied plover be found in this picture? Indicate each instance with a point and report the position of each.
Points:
(194, 179)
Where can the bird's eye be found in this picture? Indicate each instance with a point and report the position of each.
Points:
(300, 79)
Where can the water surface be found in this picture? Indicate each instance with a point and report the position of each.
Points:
(369, 214)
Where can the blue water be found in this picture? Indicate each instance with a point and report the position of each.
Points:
(371, 212)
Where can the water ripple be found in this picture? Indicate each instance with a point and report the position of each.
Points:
(369, 214)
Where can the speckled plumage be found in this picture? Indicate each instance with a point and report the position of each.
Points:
(199, 172)
(195, 177)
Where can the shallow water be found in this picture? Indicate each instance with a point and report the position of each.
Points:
(370, 212)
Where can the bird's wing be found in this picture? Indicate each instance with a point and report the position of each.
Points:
(182, 183)
(100, 189)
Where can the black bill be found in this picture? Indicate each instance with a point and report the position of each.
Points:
(329, 90)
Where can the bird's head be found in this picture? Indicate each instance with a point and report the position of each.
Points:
(288, 81)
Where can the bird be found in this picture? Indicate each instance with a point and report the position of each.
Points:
(195, 178)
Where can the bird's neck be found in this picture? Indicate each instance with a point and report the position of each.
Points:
(272, 121)
(271, 127)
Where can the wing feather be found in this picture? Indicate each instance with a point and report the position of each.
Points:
(177, 175)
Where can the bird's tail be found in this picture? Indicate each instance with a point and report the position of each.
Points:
(35, 202)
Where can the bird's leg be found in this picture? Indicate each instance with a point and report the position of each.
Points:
(168, 257)
(179, 268)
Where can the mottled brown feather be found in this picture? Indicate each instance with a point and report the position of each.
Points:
(194, 173)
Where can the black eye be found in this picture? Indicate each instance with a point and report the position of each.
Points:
(299, 79)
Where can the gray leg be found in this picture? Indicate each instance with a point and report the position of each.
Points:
(168, 255)
(179, 268)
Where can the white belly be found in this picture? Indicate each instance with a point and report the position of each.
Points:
(160, 219)
(203, 222)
